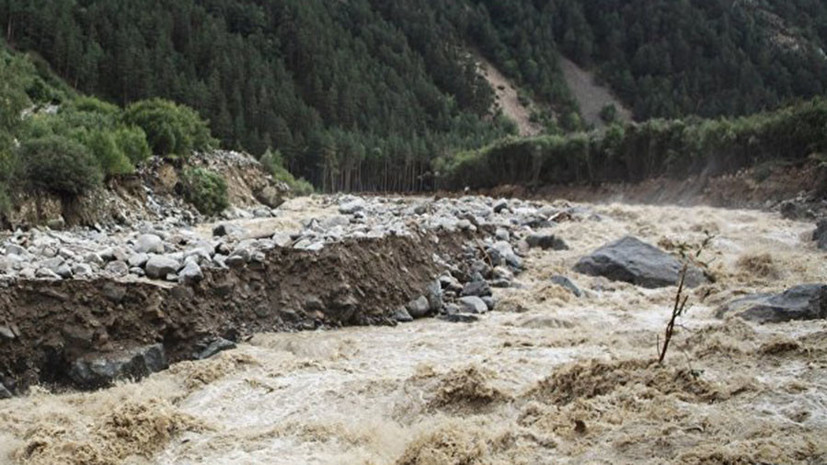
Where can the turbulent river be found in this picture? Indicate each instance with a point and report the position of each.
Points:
(547, 378)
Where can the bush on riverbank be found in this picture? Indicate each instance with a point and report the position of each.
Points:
(206, 190)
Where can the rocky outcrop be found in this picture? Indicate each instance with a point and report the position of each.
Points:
(634, 261)
(805, 302)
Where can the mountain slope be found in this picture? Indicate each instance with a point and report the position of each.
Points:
(364, 94)
(667, 58)
(593, 98)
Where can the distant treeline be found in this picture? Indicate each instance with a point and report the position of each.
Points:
(632, 153)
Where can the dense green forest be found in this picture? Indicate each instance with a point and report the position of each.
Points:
(671, 58)
(365, 94)
(335, 87)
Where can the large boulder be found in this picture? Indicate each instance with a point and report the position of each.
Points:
(805, 302)
(103, 371)
(634, 261)
(191, 273)
(501, 252)
(149, 243)
(352, 206)
(159, 266)
(270, 196)
(476, 288)
(419, 307)
(434, 295)
(820, 234)
(472, 304)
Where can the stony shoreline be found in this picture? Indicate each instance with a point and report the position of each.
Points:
(87, 307)
(82, 307)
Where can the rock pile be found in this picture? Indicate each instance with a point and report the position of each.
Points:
(475, 245)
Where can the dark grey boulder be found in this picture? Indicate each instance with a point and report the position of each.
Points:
(4, 393)
(820, 234)
(634, 261)
(402, 316)
(191, 273)
(500, 205)
(450, 309)
(476, 288)
(472, 304)
(458, 318)
(546, 242)
(501, 252)
(102, 371)
(434, 295)
(805, 302)
(568, 284)
(215, 347)
(159, 266)
(418, 307)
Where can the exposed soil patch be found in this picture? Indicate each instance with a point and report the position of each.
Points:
(590, 96)
(508, 100)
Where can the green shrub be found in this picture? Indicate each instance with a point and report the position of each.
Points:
(59, 165)
(5, 201)
(170, 129)
(608, 113)
(8, 173)
(132, 141)
(274, 163)
(93, 105)
(112, 160)
(206, 190)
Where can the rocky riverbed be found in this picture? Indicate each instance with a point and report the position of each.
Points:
(547, 319)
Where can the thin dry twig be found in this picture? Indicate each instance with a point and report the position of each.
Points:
(680, 306)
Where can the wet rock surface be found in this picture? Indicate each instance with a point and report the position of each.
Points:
(820, 234)
(101, 371)
(634, 261)
(805, 302)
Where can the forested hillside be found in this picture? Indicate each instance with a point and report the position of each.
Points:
(364, 94)
(670, 58)
(339, 89)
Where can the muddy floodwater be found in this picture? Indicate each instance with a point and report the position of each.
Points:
(547, 378)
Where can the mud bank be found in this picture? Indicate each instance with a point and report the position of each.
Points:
(49, 325)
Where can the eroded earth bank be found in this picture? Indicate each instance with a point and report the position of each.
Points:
(560, 370)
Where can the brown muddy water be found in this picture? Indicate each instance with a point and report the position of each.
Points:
(548, 378)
